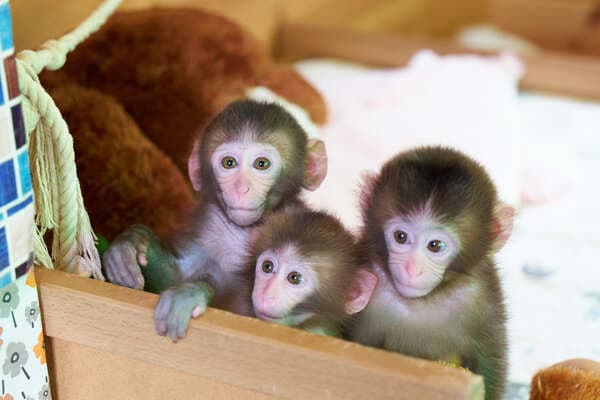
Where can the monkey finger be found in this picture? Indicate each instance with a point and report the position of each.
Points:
(178, 321)
(114, 267)
(142, 252)
(161, 312)
(129, 269)
(198, 311)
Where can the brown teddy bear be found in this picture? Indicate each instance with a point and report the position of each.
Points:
(577, 379)
(137, 92)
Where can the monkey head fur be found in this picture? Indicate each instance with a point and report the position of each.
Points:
(451, 198)
(306, 265)
(252, 157)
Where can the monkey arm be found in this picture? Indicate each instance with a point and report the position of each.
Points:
(161, 270)
(137, 259)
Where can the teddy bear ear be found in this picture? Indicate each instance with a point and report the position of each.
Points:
(194, 166)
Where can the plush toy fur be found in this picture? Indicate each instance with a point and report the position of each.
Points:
(570, 380)
(166, 73)
(124, 178)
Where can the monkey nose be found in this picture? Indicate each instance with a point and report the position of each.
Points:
(243, 189)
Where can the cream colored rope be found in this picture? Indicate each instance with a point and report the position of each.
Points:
(58, 199)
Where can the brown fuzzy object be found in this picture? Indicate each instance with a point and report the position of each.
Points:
(576, 379)
(166, 73)
(124, 178)
(173, 69)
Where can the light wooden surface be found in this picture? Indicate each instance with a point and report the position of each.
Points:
(260, 17)
(85, 318)
(552, 72)
(36, 21)
(80, 372)
(563, 25)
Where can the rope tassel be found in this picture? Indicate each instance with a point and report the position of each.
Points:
(58, 198)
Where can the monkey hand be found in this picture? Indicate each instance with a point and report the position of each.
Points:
(178, 305)
(126, 254)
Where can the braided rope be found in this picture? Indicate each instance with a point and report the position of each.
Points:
(58, 199)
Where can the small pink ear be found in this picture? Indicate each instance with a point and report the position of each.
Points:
(366, 189)
(194, 166)
(503, 224)
(361, 291)
(316, 165)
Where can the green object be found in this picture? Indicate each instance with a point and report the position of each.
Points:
(102, 245)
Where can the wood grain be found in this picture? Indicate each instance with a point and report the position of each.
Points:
(553, 72)
(79, 372)
(560, 25)
(243, 352)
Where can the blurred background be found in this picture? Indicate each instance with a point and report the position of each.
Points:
(399, 73)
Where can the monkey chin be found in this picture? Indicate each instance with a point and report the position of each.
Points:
(244, 216)
(410, 291)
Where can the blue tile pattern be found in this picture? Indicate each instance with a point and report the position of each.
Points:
(18, 125)
(24, 173)
(16, 195)
(6, 39)
(8, 183)
(4, 260)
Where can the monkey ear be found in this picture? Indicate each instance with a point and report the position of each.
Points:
(366, 189)
(361, 291)
(316, 164)
(503, 224)
(194, 166)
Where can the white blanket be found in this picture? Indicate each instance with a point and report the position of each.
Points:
(542, 152)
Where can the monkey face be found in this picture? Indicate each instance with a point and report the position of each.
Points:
(419, 252)
(282, 282)
(245, 172)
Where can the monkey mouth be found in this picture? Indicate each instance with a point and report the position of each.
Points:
(266, 316)
(410, 291)
(244, 216)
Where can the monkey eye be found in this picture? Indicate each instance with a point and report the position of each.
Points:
(228, 162)
(267, 266)
(400, 236)
(295, 278)
(262, 163)
(435, 246)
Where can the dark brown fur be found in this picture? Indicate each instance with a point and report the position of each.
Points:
(458, 193)
(269, 124)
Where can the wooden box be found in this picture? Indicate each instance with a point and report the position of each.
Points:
(101, 344)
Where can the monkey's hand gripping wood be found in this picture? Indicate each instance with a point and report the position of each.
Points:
(137, 259)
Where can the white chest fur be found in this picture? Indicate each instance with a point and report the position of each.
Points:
(225, 242)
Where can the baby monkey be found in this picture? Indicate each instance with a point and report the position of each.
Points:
(432, 224)
(306, 272)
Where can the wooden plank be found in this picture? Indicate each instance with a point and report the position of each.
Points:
(79, 372)
(562, 25)
(260, 17)
(35, 21)
(565, 74)
(240, 351)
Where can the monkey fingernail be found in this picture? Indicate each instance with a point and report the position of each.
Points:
(142, 259)
(197, 311)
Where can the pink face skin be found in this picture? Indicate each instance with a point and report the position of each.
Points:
(245, 172)
(282, 281)
(420, 251)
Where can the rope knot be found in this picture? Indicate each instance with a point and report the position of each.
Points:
(57, 54)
